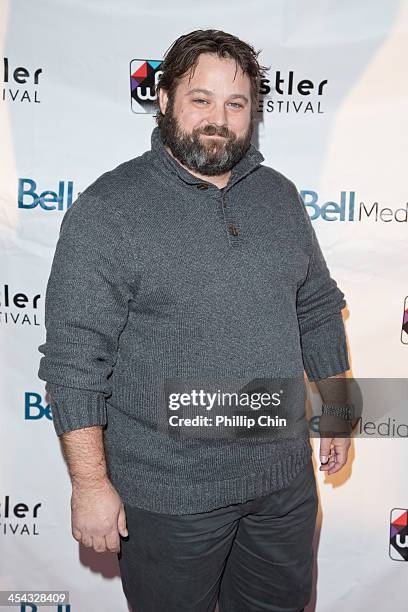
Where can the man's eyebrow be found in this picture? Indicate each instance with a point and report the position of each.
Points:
(207, 92)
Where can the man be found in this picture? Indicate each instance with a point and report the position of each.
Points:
(193, 262)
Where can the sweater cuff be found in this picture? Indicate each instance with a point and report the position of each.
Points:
(325, 351)
(73, 408)
(329, 362)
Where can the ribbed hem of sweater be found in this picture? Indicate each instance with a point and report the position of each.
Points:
(334, 360)
(324, 350)
(173, 498)
(75, 408)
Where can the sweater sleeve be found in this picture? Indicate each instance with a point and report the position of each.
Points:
(86, 308)
(319, 304)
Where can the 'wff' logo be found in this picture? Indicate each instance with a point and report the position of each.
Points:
(144, 75)
(399, 534)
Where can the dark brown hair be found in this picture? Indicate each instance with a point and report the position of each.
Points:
(182, 56)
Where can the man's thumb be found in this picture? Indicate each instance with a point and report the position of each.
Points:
(325, 449)
(122, 523)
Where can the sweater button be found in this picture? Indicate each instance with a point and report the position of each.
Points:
(233, 229)
(202, 186)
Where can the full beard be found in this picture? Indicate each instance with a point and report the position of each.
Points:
(207, 156)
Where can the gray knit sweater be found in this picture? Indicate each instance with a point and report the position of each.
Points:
(160, 276)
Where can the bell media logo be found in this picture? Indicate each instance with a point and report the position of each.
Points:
(346, 209)
(33, 608)
(144, 75)
(399, 534)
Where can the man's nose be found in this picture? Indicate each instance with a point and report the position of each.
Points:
(217, 115)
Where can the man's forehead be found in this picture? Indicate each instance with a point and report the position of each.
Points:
(205, 67)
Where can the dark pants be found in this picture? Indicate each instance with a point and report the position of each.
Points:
(252, 556)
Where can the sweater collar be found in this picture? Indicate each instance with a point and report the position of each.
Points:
(251, 160)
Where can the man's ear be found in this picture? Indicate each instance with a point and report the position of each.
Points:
(163, 99)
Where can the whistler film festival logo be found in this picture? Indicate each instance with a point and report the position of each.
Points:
(144, 75)
(404, 330)
(282, 93)
(18, 518)
(20, 84)
(18, 308)
(399, 534)
(287, 93)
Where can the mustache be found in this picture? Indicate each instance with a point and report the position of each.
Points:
(212, 130)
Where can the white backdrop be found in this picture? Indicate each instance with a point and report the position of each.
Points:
(66, 117)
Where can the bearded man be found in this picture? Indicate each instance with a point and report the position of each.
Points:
(194, 264)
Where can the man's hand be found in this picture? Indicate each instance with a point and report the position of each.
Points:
(333, 459)
(334, 443)
(98, 516)
(334, 431)
(97, 512)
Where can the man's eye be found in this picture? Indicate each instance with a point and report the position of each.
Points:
(234, 104)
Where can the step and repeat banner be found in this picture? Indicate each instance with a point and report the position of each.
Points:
(77, 82)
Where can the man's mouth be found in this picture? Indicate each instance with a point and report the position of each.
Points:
(213, 135)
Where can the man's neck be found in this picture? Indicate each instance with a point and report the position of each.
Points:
(219, 181)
